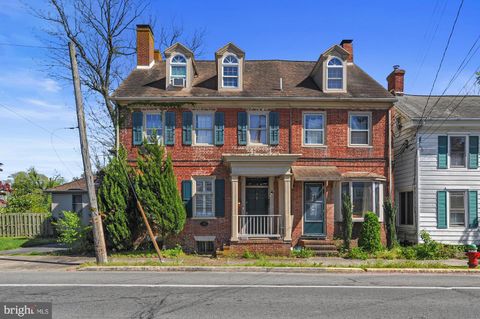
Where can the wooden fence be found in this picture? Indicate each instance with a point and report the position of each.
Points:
(25, 225)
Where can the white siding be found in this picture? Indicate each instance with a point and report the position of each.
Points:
(63, 202)
(432, 179)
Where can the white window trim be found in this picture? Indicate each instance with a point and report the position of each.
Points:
(266, 128)
(381, 192)
(178, 64)
(465, 205)
(399, 224)
(325, 75)
(467, 143)
(194, 129)
(324, 115)
(369, 115)
(162, 123)
(194, 186)
(231, 76)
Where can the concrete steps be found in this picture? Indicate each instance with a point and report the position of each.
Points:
(321, 247)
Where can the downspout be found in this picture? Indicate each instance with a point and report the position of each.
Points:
(390, 182)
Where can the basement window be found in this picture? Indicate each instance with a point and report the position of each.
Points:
(205, 247)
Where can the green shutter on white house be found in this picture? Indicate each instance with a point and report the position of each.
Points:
(473, 152)
(242, 128)
(472, 209)
(274, 127)
(441, 209)
(219, 198)
(442, 152)
(169, 128)
(187, 196)
(137, 128)
(187, 118)
(219, 128)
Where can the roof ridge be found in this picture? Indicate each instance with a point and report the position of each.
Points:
(266, 60)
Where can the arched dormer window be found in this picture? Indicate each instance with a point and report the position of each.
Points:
(178, 70)
(230, 71)
(335, 74)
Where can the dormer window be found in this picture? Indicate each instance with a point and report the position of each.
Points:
(335, 74)
(230, 71)
(178, 71)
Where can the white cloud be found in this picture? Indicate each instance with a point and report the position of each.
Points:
(24, 79)
(50, 85)
(42, 103)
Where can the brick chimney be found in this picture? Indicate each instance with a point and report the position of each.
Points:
(145, 51)
(156, 55)
(347, 45)
(395, 80)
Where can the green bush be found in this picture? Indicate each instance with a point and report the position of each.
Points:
(173, 252)
(302, 253)
(409, 252)
(347, 212)
(370, 236)
(249, 255)
(357, 253)
(72, 233)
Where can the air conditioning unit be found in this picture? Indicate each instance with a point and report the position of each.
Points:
(178, 82)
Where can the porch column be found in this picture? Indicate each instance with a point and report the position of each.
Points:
(287, 214)
(234, 208)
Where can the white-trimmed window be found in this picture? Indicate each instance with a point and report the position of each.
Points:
(204, 127)
(77, 203)
(335, 74)
(257, 127)
(230, 71)
(457, 208)
(359, 125)
(313, 128)
(178, 70)
(204, 198)
(153, 127)
(366, 196)
(405, 210)
(458, 152)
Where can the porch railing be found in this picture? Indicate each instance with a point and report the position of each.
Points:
(259, 225)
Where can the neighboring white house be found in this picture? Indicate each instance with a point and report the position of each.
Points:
(71, 196)
(436, 167)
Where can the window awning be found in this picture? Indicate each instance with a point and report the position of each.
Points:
(316, 173)
(363, 175)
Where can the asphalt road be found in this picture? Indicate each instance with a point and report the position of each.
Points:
(245, 295)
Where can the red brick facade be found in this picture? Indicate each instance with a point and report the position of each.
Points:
(207, 160)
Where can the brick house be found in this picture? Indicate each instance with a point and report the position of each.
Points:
(262, 149)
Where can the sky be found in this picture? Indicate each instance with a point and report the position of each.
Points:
(36, 110)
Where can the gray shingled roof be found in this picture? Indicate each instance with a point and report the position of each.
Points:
(261, 79)
(443, 106)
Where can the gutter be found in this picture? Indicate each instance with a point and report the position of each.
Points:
(255, 98)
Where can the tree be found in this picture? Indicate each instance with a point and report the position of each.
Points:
(114, 198)
(391, 216)
(347, 220)
(156, 188)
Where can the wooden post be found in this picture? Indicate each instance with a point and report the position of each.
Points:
(98, 237)
(149, 229)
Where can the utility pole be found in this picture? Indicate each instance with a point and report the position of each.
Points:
(98, 237)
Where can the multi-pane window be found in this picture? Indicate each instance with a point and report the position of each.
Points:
(230, 71)
(457, 208)
(313, 129)
(406, 208)
(257, 128)
(359, 129)
(365, 197)
(205, 247)
(457, 151)
(77, 204)
(204, 193)
(204, 125)
(178, 70)
(153, 127)
(335, 74)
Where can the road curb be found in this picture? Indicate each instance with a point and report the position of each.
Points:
(424, 270)
(223, 269)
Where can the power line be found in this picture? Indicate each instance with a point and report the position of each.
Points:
(29, 46)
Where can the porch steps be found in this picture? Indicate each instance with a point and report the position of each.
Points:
(321, 247)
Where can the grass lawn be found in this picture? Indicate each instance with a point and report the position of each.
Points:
(7, 243)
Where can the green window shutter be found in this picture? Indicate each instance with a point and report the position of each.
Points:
(137, 128)
(473, 152)
(472, 209)
(242, 128)
(187, 128)
(442, 151)
(169, 128)
(219, 198)
(219, 128)
(187, 196)
(274, 127)
(441, 209)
